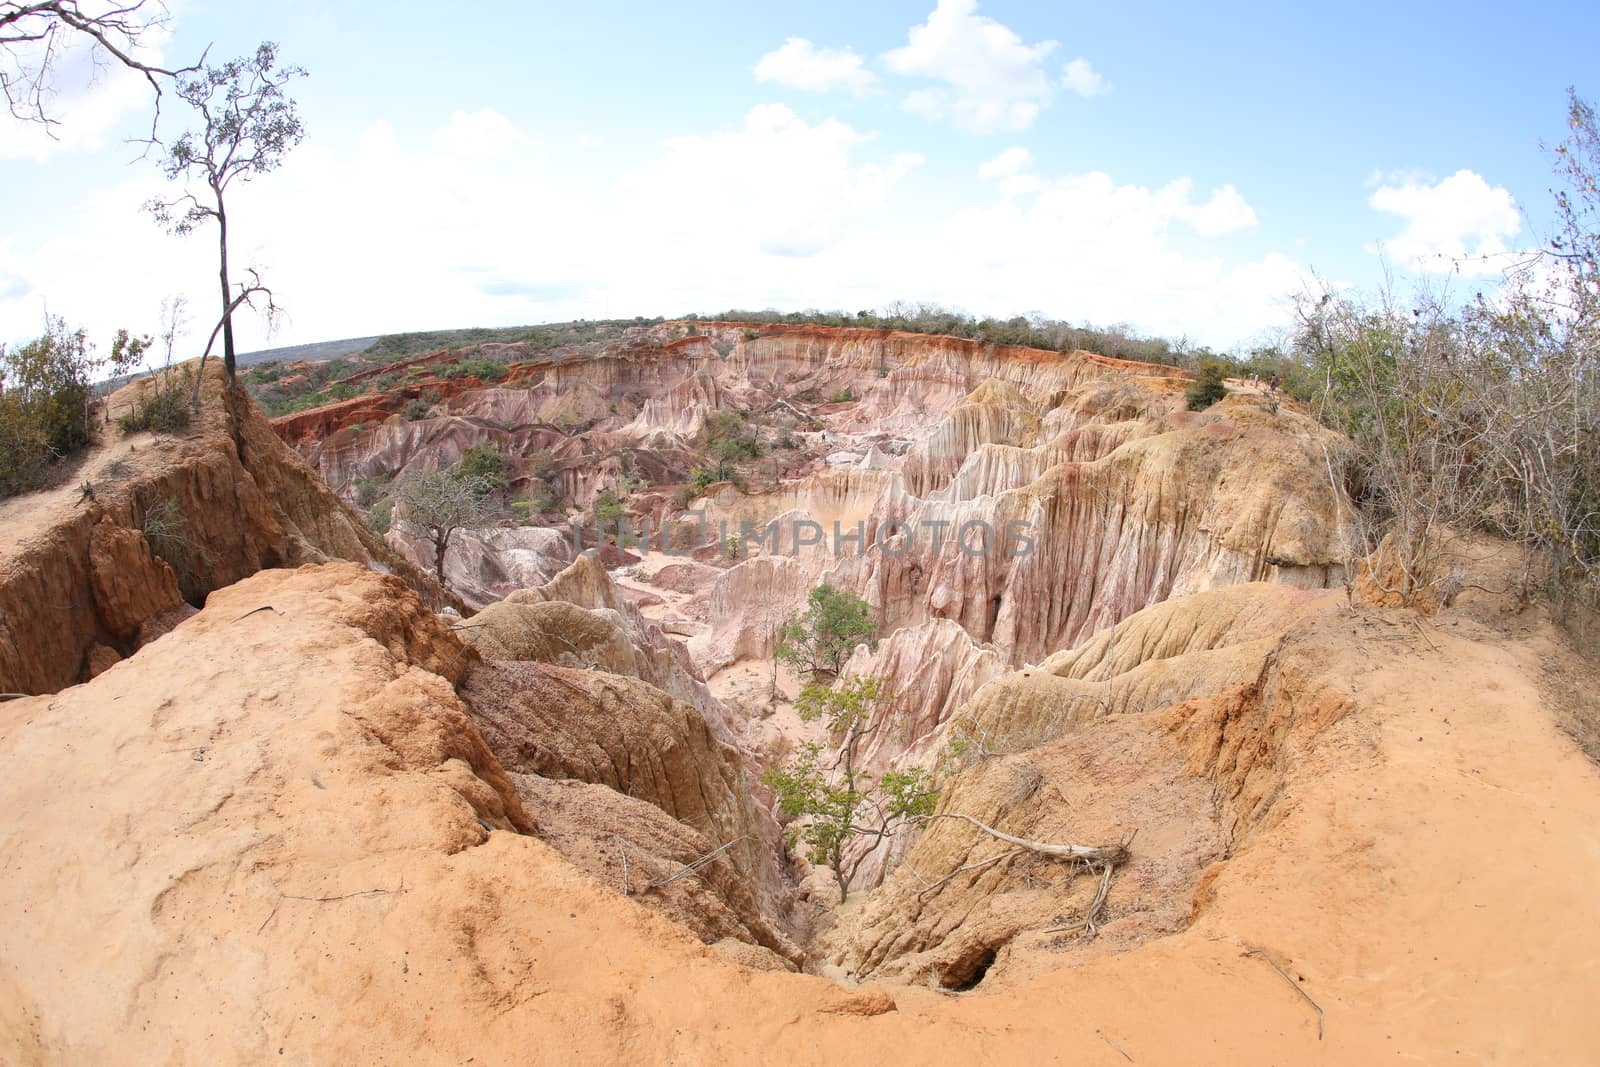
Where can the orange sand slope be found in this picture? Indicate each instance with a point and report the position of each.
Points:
(276, 834)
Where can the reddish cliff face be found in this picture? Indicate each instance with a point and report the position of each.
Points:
(171, 518)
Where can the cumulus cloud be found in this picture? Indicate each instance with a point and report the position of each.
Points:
(1010, 170)
(1087, 247)
(474, 134)
(1460, 222)
(771, 211)
(1083, 79)
(783, 185)
(1225, 212)
(991, 80)
(1011, 161)
(799, 64)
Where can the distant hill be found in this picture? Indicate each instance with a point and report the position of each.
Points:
(317, 351)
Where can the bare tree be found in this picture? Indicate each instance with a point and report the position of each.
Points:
(34, 36)
(248, 122)
(438, 503)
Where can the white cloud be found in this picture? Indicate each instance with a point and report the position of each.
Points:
(476, 134)
(1083, 79)
(1087, 247)
(91, 95)
(992, 79)
(774, 211)
(1226, 212)
(1460, 222)
(1011, 161)
(778, 185)
(1009, 170)
(799, 64)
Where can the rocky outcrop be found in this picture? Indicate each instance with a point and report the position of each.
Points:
(212, 506)
(1232, 496)
(994, 413)
(637, 848)
(131, 583)
(626, 735)
(615, 635)
(1182, 722)
(484, 565)
(747, 605)
(278, 834)
(930, 671)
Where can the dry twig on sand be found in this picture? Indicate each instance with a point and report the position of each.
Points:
(1262, 954)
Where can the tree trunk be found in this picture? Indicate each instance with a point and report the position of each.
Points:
(227, 292)
(440, 543)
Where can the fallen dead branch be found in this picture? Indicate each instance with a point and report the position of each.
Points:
(1262, 954)
(694, 866)
(1105, 858)
(1112, 854)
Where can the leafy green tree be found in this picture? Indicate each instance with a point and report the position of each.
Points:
(609, 509)
(1208, 387)
(832, 801)
(820, 640)
(247, 123)
(486, 462)
(49, 379)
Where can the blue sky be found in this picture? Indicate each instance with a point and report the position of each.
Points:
(1171, 166)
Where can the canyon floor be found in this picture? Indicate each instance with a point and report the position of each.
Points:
(281, 796)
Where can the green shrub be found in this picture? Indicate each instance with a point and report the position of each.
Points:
(485, 370)
(163, 409)
(50, 376)
(485, 462)
(731, 440)
(264, 373)
(1208, 387)
(842, 396)
(371, 489)
(166, 529)
(609, 509)
(24, 456)
(417, 409)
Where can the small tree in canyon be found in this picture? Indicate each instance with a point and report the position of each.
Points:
(438, 503)
(834, 801)
(819, 641)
